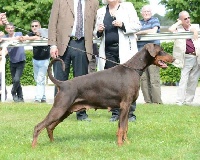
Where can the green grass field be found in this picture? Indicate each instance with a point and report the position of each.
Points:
(161, 132)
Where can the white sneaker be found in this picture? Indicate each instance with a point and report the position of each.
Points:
(179, 103)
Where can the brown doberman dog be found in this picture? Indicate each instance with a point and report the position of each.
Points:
(111, 88)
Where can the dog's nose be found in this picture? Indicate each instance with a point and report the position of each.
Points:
(173, 59)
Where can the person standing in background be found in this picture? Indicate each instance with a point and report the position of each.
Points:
(70, 34)
(115, 24)
(41, 56)
(150, 80)
(187, 51)
(17, 62)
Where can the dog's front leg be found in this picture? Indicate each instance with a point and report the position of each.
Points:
(58, 113)
(123, 123)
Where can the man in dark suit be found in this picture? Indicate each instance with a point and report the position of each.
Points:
(70, 34)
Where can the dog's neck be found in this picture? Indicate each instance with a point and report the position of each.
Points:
(140, 61)
(139, 71)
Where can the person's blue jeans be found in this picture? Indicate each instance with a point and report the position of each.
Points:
(40, 72)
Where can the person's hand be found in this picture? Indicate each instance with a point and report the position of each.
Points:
(117, 23)
(138, 33)
(179, 22)
(141, 32)
(37, 38)
(54, 52)
(22, 38)
(101, 28)
(195, 33)
(3, 19)
(1, 34)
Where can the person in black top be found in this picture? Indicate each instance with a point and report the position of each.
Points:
(116, 23)
(41, 56)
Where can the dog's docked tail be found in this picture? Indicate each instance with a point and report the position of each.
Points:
(49, 71)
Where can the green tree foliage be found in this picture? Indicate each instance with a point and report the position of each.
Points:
(171, 74)
(174, 7)
(22, 12)
(27, 76)
(164, 20)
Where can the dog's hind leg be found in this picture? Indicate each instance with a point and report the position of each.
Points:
(57, 112)
(123, 123)
(52, 126)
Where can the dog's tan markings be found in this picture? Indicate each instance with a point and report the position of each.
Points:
(109, 108)
(79, 107)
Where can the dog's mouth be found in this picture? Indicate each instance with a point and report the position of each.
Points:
(162, 64)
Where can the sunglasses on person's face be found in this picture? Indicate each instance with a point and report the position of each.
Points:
(186, 18)
(34, 26)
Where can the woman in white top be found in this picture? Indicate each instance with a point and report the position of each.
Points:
(116, 23)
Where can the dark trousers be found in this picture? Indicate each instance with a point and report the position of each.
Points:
(150, 83)
(116, 111)
(16, 70)
(92, 63)
(78, 59)
(112, 55)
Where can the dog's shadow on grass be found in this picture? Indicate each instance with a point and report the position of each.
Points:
(92, 134)
(73, 135)
(82, 132)
(86, 138)
(73, 131)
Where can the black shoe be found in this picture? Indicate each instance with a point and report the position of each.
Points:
(20, 99)
(43, 101)
(15, 98)
(36, 101)
(132, 119)
(114, 118)
(84, 119)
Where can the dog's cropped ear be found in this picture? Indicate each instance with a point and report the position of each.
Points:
(152, 49)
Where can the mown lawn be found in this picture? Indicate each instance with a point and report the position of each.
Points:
(161, 132)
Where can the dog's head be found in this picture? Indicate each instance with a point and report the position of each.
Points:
(161, 58)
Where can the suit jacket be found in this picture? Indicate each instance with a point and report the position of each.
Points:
(62, 20)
